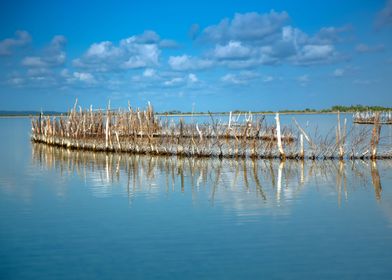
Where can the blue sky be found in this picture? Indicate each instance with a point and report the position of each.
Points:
(206, 55)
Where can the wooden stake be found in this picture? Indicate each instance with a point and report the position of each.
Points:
(375, 136)
(302, 152)
(279, 136)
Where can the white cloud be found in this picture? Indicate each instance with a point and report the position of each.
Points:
(52, 56)
(303, 80)
(268, 79)
(148, 37)
(33, 61)
(232, 79)
(363, 48)
(252, 39)
(35, 72)
(249, 26)
(294, 36)
(169, 44)
(142, 56)
(174, 81)
(64, 73)
(103, 50)
(21, 38)
(149, 73)
(185, 62)
(131, 53)
(365, 82)
(77, 77)
(331, 34)
(42, 68)
(84, 77)
(384, 17)
(338, 73)
(315, 53)
(192, 78)
(242, 78)
(16, 81)
(233, 50)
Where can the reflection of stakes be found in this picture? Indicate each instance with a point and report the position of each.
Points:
(128, 167)
(166, 168)
(245, 175)
(173, 178)
(181, 173)
(376, 180)
(237, 170)
(345, 185)
(279, 184)
(287, 174)
(107, 169)
(312, 169)
(192, 173)
(302, 172)
(118, 169)
(215, 184)
(340, 175)
(144, 170)
(135, 173)
(272, 173)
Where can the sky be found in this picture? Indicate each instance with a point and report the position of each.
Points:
(195, 55)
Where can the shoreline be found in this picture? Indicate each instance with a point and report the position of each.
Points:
(199, 114)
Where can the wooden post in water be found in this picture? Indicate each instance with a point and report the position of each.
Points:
(341, 137)
(279, 136)
(107, 127)
(228, 127)
(375, 136)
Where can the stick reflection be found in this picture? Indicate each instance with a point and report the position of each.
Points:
(241, 181)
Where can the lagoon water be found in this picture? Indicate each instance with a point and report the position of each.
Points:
(80, 215)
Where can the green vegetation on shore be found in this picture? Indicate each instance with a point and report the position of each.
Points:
(359, 108)
(333, 109)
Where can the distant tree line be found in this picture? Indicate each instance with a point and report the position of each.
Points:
(359, 108)
(335, 108)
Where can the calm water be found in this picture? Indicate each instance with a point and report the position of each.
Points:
(79, 215)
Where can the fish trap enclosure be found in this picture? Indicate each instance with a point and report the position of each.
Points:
(372, 117)
(144, 132)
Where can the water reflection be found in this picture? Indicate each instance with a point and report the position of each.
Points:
(241, 183)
